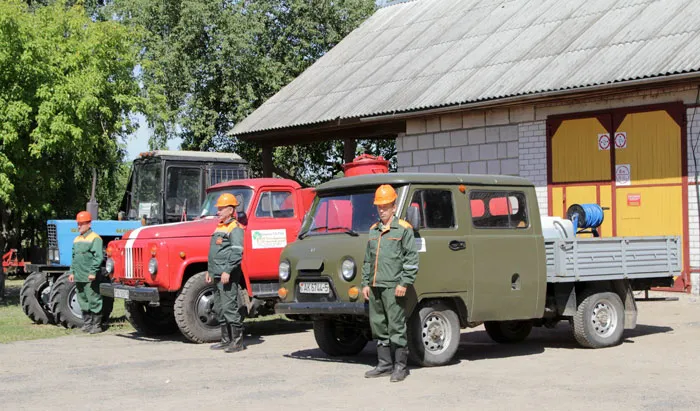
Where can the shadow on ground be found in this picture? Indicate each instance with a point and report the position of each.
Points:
(11, 295)
(254, 331)
(476, 345)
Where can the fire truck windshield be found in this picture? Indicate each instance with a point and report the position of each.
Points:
(243, 194)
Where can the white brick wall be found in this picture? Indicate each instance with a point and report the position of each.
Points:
(532, 151)
(514, 149)
(483, 150)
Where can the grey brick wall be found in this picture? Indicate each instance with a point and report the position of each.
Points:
(532, 149)
(483, 150)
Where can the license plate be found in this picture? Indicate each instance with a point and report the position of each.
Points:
(314, 288)
(118, 293)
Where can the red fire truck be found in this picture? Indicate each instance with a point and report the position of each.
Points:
(159, 270)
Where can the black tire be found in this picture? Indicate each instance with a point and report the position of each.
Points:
(508, 332)
(34, 298)
(107, 302)
(599, 320)
(64, 303)
(194, 311)
(107, 307)
(433, 334)
(150, 321)
(335, 339)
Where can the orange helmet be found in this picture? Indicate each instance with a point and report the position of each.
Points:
(83, 217)
(226, 200)
(385, 194)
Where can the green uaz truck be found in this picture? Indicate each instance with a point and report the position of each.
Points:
(483, 260)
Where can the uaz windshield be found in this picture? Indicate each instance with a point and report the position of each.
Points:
(341, 214)
(243, 194)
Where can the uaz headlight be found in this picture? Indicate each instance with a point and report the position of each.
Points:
(284, 270)
(109, 266)
(153, 266)
(347, 269)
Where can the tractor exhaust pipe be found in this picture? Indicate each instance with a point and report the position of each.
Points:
(92, 206)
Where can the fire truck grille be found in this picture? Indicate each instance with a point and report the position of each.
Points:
(133, 262)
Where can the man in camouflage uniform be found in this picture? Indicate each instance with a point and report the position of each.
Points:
(84, 271)
(390, 267)
(225, 256)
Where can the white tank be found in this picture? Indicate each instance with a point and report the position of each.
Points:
(557, 228)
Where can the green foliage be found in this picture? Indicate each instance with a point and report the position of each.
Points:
(207, 65)
(66, 89)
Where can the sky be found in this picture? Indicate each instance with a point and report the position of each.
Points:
(138, 142)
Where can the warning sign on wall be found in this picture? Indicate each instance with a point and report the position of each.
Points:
(620, 140)
(604, 141)
(634, 200)
(623, 173)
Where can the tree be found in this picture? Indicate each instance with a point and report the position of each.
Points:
(66, 90)
(210, 64)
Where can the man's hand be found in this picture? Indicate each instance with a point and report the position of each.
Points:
(91, 277)
(71, 278)
(365, 292)
(207, 279)
(225, 277)
(400, 291)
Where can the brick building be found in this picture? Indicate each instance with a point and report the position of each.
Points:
(593, 101)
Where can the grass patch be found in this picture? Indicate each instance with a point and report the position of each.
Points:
(16, 326)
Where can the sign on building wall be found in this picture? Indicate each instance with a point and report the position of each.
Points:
(623, 173)
(620, 140)
(604, 141)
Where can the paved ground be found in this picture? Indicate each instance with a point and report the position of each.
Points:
(656, 368)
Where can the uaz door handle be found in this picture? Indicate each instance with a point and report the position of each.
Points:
(457, 245)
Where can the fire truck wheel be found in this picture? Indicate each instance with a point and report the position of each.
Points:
(34, 297)
(64, 303)
(194, 311)
(334, 338)
(150, 321)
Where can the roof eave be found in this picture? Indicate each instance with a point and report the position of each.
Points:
(389, 125)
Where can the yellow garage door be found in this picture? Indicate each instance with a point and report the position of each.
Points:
(630, 162)
(580, 168)
(648, 175)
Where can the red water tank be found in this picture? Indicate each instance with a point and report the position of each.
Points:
(366, 164)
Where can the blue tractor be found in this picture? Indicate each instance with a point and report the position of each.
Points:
(164, 186)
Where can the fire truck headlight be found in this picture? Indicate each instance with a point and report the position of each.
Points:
(109, 266)
(153, 266)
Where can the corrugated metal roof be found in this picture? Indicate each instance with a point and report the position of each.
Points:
(432, 53)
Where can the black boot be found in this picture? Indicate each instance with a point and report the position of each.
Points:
(236, 340)
(225, 338)
(384, 364)
(87, 322)
(400, 370)
(96, 326)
